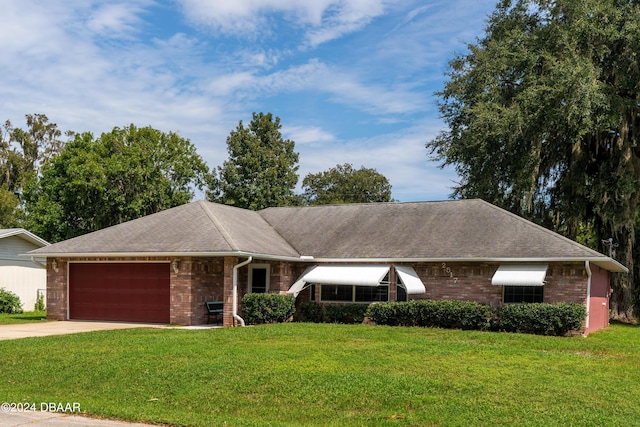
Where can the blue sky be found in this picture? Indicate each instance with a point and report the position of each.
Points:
(351, 80)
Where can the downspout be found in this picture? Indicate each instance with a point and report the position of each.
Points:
(234, 304)
(588, 269)
(33, 260)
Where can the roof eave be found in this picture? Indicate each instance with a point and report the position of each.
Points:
(603, 262)
(161, 255)
(26, 235)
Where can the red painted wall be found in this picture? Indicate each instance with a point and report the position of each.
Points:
(599, 301)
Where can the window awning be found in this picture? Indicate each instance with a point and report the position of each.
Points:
(410, 279)
(520, 275)
(358, 275)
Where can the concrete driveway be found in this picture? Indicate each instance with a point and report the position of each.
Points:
(54, 419)
(42, 329)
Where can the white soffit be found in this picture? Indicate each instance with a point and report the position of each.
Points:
(410, 279)
(520, 275)
(358, 275)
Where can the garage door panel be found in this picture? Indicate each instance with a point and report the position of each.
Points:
(136, 292)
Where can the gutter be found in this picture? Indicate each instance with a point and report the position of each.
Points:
(234, 304)
(588, 269)
(36, 262)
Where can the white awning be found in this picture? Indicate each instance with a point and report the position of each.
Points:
(410, 280)
(358, 275)
(520, 275)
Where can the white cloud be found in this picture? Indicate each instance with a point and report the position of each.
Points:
(113, 20)
(94, 65)
(307, 135)
(325, 19)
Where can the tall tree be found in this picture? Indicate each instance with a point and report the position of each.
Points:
(344, 184)
(122, 175)
(544, 120)
(24, 151)
(261, 169)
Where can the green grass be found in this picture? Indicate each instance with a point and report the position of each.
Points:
(26, 317)
(332, 375)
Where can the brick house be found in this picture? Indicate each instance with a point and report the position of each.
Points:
(163, 267)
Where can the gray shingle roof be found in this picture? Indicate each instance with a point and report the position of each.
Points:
(196, 228)
(448, 230)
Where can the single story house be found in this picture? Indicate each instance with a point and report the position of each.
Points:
(25, 277)
(163, 267)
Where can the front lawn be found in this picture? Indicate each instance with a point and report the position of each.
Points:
(26, 317)
(332, 375)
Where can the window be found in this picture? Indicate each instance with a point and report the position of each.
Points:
(523, 294)
(259, 278)
(401, 292)
(349, 293)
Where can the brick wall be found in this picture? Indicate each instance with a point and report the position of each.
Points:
(57, 289)
(201, 279)
(565, 282)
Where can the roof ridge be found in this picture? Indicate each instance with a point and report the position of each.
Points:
(396, 203)
(225, 234)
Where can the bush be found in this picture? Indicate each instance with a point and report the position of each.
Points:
(311, 312)
(9, 302)
(39, 305)
(540, 318)
(430, 313)
(345, 313)
(267, 308)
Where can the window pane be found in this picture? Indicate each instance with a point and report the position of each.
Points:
(336, 293)
(259, 280)
(372, 293)
(523, 294)
(401, 294)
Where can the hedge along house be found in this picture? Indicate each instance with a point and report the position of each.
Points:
(163, 267)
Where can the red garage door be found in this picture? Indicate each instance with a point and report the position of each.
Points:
(119, 291)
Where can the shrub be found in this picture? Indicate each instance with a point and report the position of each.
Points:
(345, 313)
(9, 302)
(311, 312)
(267, 308)
(39, 305)
(430, 313)
(540, 318)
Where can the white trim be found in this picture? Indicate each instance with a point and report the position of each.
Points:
(252, 267)
(606, 263)
(24, 234)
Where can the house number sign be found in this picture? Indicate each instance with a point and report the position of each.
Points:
(449, 272)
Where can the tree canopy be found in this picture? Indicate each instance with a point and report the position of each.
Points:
(543, 119)
(261, 169)
(344, 184)
(22, 153)
(122, 175)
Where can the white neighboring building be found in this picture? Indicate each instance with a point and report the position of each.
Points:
(24, 277)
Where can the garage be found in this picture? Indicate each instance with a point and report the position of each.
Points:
(132, 292)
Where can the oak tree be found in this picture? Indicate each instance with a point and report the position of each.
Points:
(122, 175)
(344, 184)
(543, 119)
